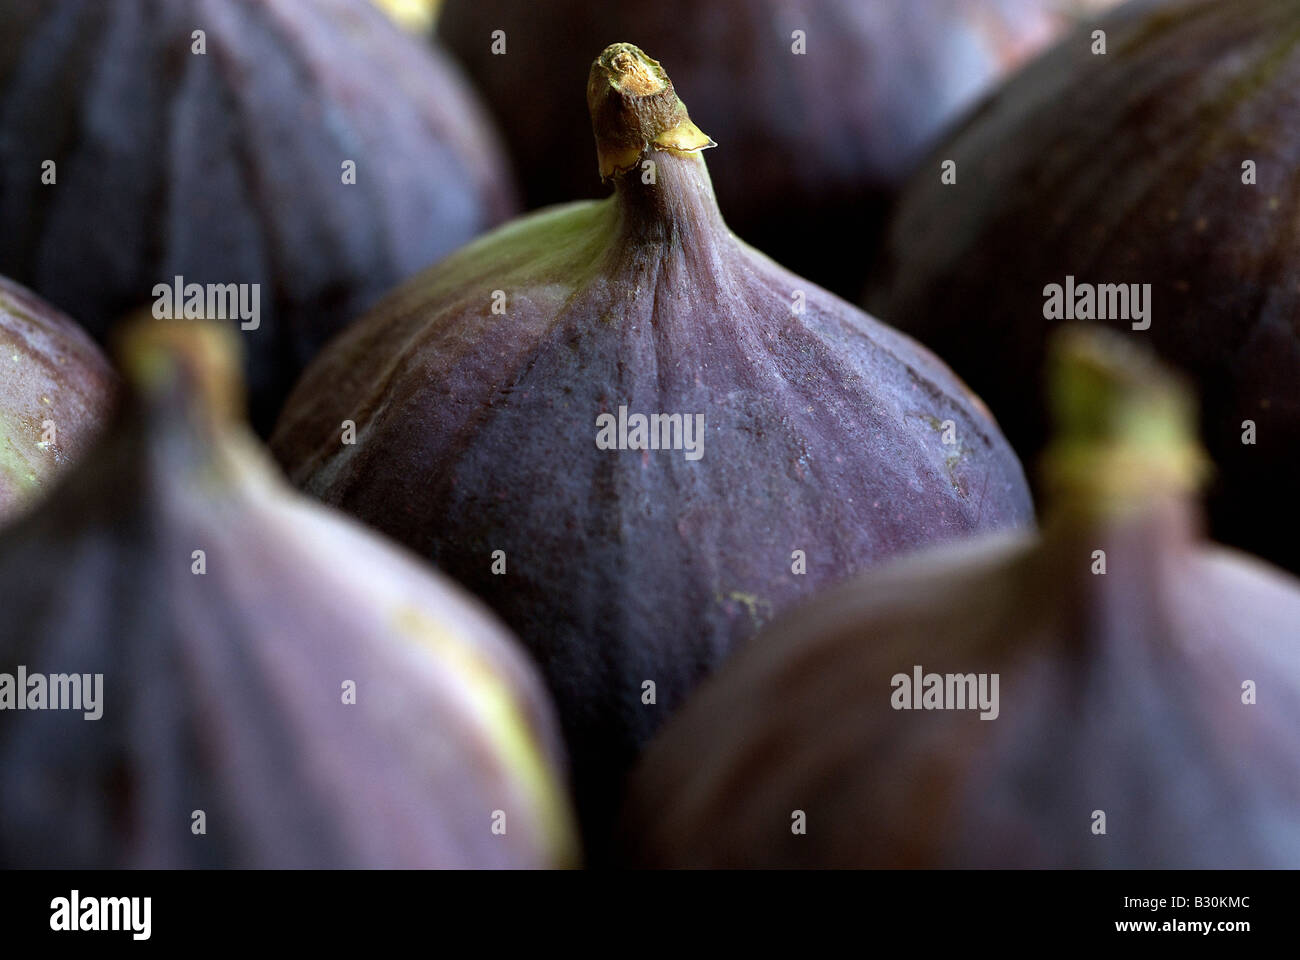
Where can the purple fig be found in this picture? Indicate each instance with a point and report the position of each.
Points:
(305, 155)
(233, 676)
(1153, 188)
(1114, 693)
(637, 437)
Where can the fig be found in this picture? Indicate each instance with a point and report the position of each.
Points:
(1083, 698)
(200, 668)
(822, 107)
(57, 391)
(1154, 189)
(281, 162)
(636, 436)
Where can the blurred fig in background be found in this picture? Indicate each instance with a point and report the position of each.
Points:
(636, 436)
(313, 149)
(56, 391)
(1116, 693)
(280, 687)
(1155, 188)
(821, 106)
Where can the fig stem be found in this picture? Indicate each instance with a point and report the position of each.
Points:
(1125, 426)
(190, 363)
(634, 107)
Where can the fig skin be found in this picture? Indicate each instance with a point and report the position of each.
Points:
(228, 167)
(476, 432)
(1127, 168)
(1119, 692)
(53, 372)
(223, 692)
(814, 145)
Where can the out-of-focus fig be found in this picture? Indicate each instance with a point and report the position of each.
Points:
(200, 668)
(637, 437)
(288, 161)
(1083, 699)
(1153, 188)
(821, 107)
(56, 391)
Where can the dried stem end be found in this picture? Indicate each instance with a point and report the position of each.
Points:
(634, 107)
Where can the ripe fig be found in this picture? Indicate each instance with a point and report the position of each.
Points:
(254, 681)
(1087, 697)
(636, 436)
(56, 391)
(290, 160)
(821, 107)
(1163, 171)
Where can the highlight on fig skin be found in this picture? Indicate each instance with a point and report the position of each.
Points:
(417, 16)
(477, 431)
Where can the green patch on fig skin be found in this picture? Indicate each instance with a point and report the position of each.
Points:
(21, 475)
(49, 370)
(536, 244)
(503, 722)
(953, 460)
(759, 610)
(416, 16)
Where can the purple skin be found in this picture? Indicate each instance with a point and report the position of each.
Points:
(223, 692)
(1123, 692)
(1127, 169)
(227, 167)
(1119, 692)
(476, 432)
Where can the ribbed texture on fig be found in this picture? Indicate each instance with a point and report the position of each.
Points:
(226, 674)
(228, 167)
(1128, 168)
(476, 431)
(56, 391)
(813, 143)
(1127, 730)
